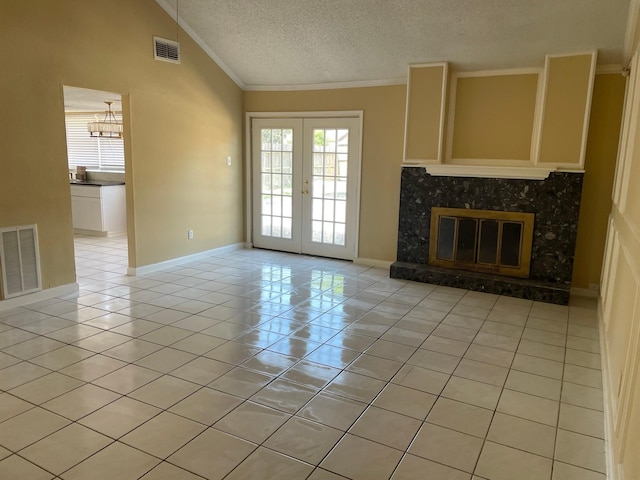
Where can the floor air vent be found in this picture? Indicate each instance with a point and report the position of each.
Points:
(166, 50)
(19, 260)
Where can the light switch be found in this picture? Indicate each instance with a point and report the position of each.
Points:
(229, 161)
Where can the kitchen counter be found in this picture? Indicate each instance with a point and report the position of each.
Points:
(95, 183)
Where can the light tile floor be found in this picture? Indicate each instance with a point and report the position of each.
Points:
(264, 365)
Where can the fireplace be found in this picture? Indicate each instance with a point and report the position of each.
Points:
(554, 203)
(481, 240)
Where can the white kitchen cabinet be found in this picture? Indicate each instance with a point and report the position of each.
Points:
(99, 210)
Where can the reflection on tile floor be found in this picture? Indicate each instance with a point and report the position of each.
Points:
(264, 365)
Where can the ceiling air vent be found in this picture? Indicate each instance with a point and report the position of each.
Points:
(166, 50)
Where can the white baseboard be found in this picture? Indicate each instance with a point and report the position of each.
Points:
(39, 296)
(154, 267)
(372, 262)
(612, 471)
(585, 292)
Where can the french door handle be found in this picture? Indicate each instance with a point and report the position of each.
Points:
(305, 192)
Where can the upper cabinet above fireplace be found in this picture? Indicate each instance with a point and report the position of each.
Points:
(520, 123)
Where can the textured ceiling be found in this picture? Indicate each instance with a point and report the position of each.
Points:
(294, 42)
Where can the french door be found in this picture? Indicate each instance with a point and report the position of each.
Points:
(305, 185)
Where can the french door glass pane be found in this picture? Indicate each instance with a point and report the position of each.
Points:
(276, 170)
(329, 186)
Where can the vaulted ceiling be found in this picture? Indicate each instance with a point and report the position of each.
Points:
(267, 43)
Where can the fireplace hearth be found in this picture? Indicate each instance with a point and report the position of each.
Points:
(554, 202)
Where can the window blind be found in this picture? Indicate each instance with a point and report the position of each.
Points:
(92, 152)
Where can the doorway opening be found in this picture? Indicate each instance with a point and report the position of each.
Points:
(96, 163)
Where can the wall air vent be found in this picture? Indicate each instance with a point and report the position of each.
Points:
(19, 261)
(166, 50)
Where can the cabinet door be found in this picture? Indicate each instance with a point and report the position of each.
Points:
(86, 213)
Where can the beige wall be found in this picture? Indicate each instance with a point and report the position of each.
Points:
(382, 144)
(494, 117)
(619, 303)
(181, 122)
(600, 161)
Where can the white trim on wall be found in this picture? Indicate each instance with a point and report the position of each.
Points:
(587, 108)
(632, 18)
(54, 292)
(627, 152)
(154, 267)
(586, 116)
(443, 111)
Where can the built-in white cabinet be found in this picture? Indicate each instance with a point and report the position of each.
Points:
(99, 210)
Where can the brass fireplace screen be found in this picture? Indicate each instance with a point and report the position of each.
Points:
(481, 240)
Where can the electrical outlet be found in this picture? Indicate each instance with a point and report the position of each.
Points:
(229, 161)
(190, 234)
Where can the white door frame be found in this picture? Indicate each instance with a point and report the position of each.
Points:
(249, 116)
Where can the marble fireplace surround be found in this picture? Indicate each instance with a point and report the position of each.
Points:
(555, 201)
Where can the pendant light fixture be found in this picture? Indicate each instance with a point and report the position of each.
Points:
(109, 127)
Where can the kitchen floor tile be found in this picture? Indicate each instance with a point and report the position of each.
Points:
(201, 370)
(440, 362)
(522, 434)
(263, 463)
(412, 467)
(461, 417)
(285, 396)
(536, 409)
(386, 427)
(45, 388)
(29, 427)
(355, 386)
(470, 391)
(252, 422)
(406, 401)
(448, 447)
(422, 379)
(360, 459)
(164, 391)
(93, 368)
(534, 385)
(127, 379)
(206, 406)
(116, 461)
(163, 435)
(213, 454)
(241, 382)
(580, 450)
(120, 417)
(581, 420)
(494, 356)
(498, 462)
(303, 439)
(481, 372)
(563, 471)
(334, 411)
(11, 406)
(166, 471)
(65, 448)
(18, 468)
(81, 401)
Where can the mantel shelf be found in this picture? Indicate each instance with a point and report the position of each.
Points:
(488, 171)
